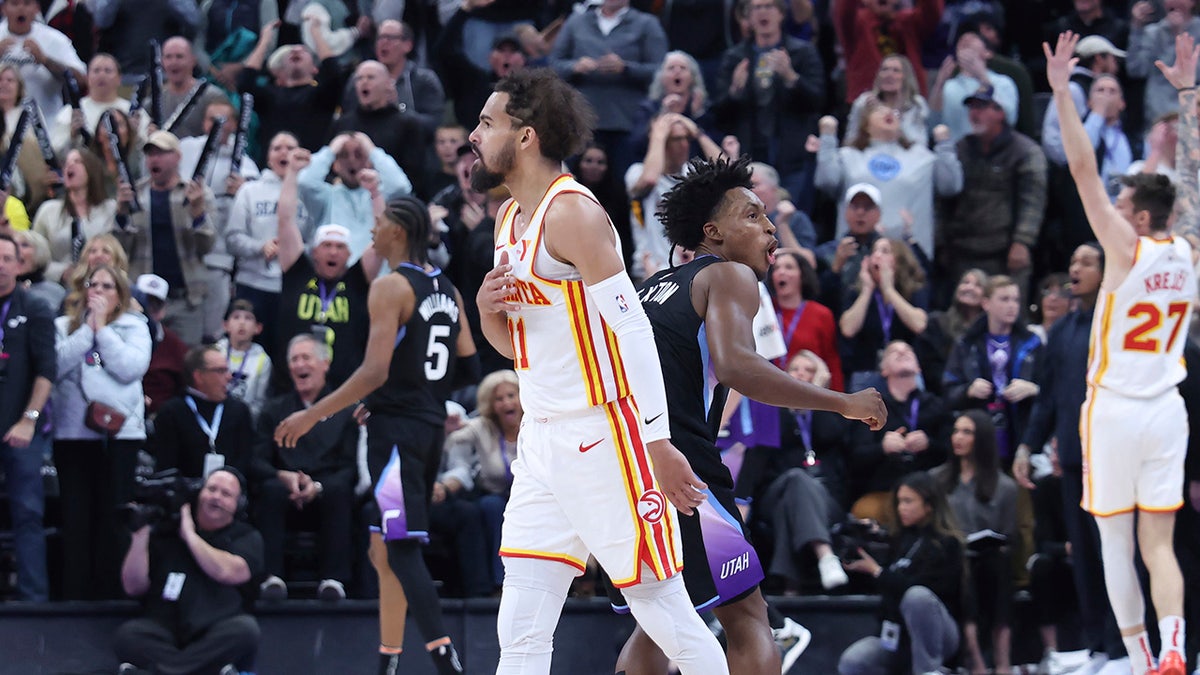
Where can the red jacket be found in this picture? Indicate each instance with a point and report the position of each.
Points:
(861, 32)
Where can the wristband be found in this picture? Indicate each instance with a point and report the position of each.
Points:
(1183, 89)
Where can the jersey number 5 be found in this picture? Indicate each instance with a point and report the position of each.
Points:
(1141, 338)
(437, 355)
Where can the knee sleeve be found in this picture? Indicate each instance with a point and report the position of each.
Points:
(534, 593)
(1120, 575)
(664, 611)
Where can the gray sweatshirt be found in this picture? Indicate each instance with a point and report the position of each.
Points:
(907, 178)
(252, 223)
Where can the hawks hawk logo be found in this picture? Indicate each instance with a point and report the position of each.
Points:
(652, 506)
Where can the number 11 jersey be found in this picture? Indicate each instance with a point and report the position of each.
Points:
(1140, 327)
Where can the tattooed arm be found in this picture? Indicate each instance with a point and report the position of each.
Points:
(1182, 76)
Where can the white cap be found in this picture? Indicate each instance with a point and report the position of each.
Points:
(864, 189)
(331, 232)
(1097, 44)
(153, 285)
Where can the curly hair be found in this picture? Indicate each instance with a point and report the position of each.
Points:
(685, 208)
(561, 116)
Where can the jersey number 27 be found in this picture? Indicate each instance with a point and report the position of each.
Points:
(1142, 337)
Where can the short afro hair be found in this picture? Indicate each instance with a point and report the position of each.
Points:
(561, 116)
(685, 208)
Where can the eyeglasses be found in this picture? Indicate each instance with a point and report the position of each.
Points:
(102, 285)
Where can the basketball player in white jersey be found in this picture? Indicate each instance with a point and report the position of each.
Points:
(1133, 424)
(595, 467)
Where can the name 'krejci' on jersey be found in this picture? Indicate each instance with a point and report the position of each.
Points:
(565, 355)
(1140, 327)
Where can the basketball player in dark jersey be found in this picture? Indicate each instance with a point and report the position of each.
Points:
(419, 349)
(702, 313)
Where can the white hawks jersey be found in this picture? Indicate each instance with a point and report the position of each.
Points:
(565, 355)
(1140, 327)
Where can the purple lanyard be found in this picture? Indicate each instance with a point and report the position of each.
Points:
(886, 314)
(804, 426)
(789, 332)
(326, 298)
(913, 409)
(3, 322)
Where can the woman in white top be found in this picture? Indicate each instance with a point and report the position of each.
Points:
(896, 86)
(907, 174)
(103, 353)
(84, 211)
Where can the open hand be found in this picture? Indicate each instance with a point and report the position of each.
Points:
(1060, 62)
(497, 286)
(1182, 73)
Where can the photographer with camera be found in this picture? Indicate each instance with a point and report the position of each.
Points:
(921, 581)
(189, 579)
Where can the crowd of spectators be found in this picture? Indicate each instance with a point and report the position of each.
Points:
(180, 272)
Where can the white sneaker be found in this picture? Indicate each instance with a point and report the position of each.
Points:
(792, 640)
(1093, 665)
(1062, 663)
(832, 574)
(331, 590)
(1116, 667)
(273, 589)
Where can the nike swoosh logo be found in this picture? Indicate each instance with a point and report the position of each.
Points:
(650, 421)
(585, 448)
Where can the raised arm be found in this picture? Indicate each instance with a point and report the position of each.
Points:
(291, 244)
(1182, 76)
(1116, 235)
(266, 39)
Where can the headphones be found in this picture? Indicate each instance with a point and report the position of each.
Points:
(243, 499)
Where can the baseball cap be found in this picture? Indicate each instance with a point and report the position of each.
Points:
(984, 95)
(335, 233)
(507, 40)
(1097, 44)
(163, 140)
(864, 189)
(153, 286)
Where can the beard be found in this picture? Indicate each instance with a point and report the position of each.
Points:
(484, 179)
